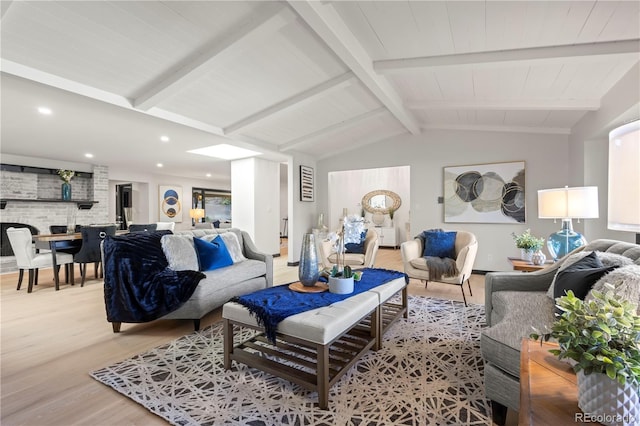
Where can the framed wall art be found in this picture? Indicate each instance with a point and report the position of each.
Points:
(306, 183)
(485, 193)
(170, 203)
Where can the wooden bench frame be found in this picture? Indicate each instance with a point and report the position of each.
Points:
(312, 365)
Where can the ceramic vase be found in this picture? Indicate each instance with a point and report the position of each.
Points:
(538, 258)
(66, 191)
(526, 254)
(308, 271)
(613, 404)
(340, 285)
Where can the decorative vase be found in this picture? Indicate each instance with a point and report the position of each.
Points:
(66, 191)
(308, 271)
(526, 254)
(538, 258)
(341, 285)
(613, 404)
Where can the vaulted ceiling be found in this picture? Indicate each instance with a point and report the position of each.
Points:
(300, 76)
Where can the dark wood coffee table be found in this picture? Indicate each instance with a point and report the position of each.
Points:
(548, 388)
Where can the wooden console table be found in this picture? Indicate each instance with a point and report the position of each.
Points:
(548, 388)
(523, 265)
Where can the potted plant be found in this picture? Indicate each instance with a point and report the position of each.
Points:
(602, 338)
(528, 244)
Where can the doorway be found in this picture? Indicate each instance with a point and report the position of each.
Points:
(124, 204)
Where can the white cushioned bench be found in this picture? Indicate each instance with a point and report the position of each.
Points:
(315, 348)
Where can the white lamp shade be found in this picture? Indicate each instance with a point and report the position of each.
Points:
(624, 178)
(568, 203)
(196, 213)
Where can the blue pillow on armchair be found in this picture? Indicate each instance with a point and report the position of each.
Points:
(356, 247)
(439, 243)
(212, 255)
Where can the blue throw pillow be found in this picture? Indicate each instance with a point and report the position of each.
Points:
(212, 255)
(356, 247)
(440, 244)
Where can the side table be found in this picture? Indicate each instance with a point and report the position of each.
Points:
(548, 388)
(523, 265)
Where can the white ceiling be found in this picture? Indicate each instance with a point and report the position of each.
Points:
(313, 77)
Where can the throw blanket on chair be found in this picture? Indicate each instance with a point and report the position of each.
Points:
(138, 284)
(272, 305)
(441, 266)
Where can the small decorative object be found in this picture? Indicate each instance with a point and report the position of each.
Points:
(528, 244)
(391, 213)
(602, 337)
(71, 221)
(66, 176)
(538, 258)
(308, 271)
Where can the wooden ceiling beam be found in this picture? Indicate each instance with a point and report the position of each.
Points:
(500, 57)
(329, 26)
(306, 96)
(274, 16)
(508, 105)
(333, 129)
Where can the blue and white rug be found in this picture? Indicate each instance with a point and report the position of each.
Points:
(429, 372)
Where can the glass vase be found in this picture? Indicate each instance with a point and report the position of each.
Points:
(308, 271)
(66, 191)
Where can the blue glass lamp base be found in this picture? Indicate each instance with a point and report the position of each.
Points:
(564, 241)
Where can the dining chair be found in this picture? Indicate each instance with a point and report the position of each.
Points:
(21, 241)
(148, 227)
(92, 237)
(62, 229)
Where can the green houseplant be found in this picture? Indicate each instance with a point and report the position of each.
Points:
(527, 243)
(602, 337)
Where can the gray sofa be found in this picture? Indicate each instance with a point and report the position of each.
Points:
(222, 284)
(515, 302)
(251, 271)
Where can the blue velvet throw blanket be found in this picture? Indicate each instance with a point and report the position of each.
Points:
(272, 305)
(139, 286)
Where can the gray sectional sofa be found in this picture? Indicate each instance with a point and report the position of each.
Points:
(515, 302)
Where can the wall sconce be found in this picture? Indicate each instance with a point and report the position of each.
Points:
(567, 204)
(624, 179)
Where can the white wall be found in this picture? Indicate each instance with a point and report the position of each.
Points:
(255, 195)
(284, 197)
(346, 189)
(302, 214)
(545, 156)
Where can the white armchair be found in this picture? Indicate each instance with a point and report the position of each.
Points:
(415, 265)
(329, 257)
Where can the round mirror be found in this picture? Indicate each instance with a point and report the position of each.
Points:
(381, 201)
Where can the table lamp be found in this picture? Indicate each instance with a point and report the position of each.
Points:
(567, 204)
(195, 215)
(624, 179)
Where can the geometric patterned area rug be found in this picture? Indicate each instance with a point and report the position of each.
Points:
(429, 372)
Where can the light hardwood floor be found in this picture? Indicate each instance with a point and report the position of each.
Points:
(52, 339)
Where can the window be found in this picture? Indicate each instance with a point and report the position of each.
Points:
(215, 202)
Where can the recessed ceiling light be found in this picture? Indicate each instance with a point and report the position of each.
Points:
(88, 155)
(159, 165)
(45, 111)
(225, 151)
(164, 138)
(208, 174)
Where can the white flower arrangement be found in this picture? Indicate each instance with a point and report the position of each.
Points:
(66, 175)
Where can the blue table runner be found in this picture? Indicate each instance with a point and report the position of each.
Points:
(271, 305)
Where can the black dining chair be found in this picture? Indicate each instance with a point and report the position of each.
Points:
(92, 237)
(149, 227)
(62, 229)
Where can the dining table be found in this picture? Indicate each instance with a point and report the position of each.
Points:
(67, 243)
